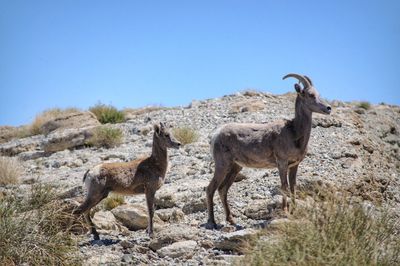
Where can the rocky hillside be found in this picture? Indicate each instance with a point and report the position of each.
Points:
(355, 148)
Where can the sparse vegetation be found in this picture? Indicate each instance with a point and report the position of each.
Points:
(112, 201)
(35, 234)
(185, 135)
(37, 125)
(106, 137)
(107, 113)
(10, 170)
(334, 232)
(364, 105)
(143, 110)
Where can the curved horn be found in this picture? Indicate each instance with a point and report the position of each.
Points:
(309, 80)
(302, 79)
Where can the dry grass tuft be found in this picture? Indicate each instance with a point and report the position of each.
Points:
(35, 234)
(10, 170)
(107, 114)
(185, 135)
(112, 201)
(36, 127)
(105, 137)
(331, 232)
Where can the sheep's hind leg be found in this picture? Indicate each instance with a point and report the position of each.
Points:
(85, 207)
(219, 174)
(223, 191)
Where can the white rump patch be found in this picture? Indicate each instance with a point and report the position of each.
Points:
(93, 173)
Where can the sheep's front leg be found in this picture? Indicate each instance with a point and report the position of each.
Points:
(292, 183)
(150, 194)
(283, 171)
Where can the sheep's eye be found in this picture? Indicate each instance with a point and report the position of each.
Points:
(312, 96)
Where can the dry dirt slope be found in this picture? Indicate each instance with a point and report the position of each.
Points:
(354, 148)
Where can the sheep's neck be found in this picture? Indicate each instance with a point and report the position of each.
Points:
(302, 123)
(159, 155)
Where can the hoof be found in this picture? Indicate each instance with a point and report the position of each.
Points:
(211, 226)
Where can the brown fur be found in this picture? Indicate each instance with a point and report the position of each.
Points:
(281, 144)
(140, 176)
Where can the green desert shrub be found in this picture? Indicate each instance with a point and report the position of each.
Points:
(107, 113)
(106, 137)
(10, 170)
(185, 135)
(364, 105)
(113, 201)
(35, 234)
(330, 233)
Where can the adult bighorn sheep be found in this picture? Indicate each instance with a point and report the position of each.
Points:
(134, 177)
(281, 144)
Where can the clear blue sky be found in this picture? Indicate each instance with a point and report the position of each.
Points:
(133, 53)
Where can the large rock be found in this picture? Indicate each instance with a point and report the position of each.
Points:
(40, 145)
(66, 139)
(105, 220)
(165, 199)
(134, 216)
(173, 233)
(195, 205)
(178, 249)
(257, 210)
(235, 241)
(17, 146)
(72, 119)
(171, 215)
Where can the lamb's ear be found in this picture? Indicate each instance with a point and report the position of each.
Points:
(157, 129)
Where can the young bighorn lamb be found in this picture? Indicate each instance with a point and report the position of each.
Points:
(281, 144)
(134, 177)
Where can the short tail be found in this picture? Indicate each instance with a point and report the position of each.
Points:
(85, 175)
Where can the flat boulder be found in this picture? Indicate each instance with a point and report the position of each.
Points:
(172, 234)
(134, 216)
(236, 241)
(184, 249)
(71, 119)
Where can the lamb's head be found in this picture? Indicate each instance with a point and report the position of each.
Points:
(309, 95)
(163, 134)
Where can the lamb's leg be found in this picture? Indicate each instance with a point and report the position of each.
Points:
(292, 183)
(223, 191)
(150, 194)
(219, 174)
(283, 170)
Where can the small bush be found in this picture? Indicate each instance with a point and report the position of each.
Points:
(34, 235)
(36, 127)
(105, 137)
(107, 114)
(113, 201)
(10, 170)
(331, 233)
(185, 135)
(364, 105)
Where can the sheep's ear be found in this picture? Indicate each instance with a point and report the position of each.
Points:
(298, 88)
(157, 129)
